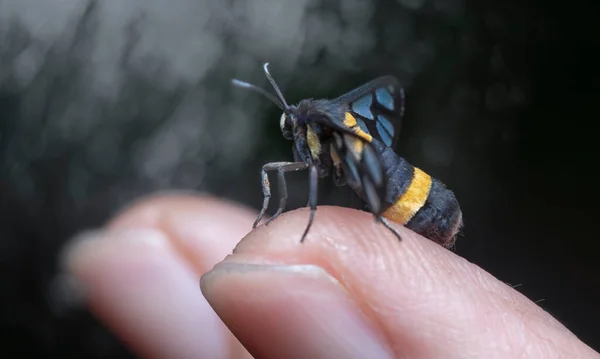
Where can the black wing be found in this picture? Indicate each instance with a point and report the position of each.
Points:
(378, 107)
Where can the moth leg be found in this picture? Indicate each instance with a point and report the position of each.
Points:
(387, 225)
(312, 199)
(266, 186)
(281, 170)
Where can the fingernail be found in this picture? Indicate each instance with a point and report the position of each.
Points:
(301, 311)
(306, 270)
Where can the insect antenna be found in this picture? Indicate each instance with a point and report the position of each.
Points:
(274, 84)
(255, 88)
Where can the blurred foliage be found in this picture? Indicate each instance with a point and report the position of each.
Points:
(103, 102)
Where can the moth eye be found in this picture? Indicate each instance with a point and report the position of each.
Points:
(286, 127)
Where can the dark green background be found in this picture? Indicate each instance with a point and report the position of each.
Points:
(503, 100)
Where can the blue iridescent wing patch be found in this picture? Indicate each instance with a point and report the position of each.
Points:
(378, 107)
(386, 124)
(362, 106)
(385, 130)
(384, 98)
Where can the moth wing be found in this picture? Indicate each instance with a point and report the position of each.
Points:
(378, 107)
(363, 168)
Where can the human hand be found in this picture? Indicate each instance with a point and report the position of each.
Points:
(349, 291)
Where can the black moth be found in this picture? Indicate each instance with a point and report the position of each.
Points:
(352, 137)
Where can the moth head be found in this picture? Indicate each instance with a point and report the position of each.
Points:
(289, 123)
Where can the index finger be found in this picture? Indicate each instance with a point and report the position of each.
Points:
(419, 299)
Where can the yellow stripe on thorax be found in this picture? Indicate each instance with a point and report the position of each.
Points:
(314, 144)
(412, 200)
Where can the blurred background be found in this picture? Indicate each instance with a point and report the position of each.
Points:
(102, 102)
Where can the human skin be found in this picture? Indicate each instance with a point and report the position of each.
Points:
(351, 290)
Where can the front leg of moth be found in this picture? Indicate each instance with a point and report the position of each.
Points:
(282, 168)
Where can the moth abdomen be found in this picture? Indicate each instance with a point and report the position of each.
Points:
(419, 201)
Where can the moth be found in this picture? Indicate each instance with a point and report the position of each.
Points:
(351, 137)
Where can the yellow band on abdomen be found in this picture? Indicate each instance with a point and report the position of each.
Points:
(412, 200)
